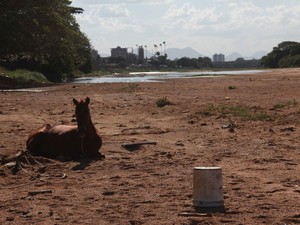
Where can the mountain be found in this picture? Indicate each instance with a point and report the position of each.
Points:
(178, 53)
(233, 56)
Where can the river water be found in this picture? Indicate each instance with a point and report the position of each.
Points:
(159, 76)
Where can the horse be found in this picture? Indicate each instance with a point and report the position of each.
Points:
(68, 141)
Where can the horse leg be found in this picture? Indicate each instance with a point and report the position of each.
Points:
(91, 148)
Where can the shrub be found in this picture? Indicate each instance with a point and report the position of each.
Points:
(283, 104)
(235, 110)
(232, 87)
(26, 75)
(162, 102)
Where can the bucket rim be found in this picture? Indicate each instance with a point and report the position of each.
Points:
(207, 168)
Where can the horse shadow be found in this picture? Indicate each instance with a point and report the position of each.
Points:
(82, 162)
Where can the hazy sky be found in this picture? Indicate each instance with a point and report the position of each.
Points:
(208, 26)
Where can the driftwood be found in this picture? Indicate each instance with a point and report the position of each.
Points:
(23, 159)
(137, 145)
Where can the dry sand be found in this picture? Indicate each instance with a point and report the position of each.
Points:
(153, 185)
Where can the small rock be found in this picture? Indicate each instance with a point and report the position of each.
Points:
(107, 193)
(191, 121)
(179, 143)
(291, 129)
(10, 218)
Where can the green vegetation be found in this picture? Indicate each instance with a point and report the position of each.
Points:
(201, 62)
(285, 55)
(235, 110)
(43, 36)
(232, 87)
(283, 104)
(27, 76)
(132, 87)
(161, 102)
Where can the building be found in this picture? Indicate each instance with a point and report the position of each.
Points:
(119, 52)
(141, 53)
(218, 58)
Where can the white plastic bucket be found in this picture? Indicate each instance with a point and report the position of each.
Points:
(208, 187)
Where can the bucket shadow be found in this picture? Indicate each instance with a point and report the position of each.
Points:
(220, 209)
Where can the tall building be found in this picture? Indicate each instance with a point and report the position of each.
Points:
(218, 58)
(119, 52)
(141, 52)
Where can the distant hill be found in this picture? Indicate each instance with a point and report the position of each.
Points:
(233, 56)
(178, 53)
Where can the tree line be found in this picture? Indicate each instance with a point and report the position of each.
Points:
(286, 54)
(43, 35)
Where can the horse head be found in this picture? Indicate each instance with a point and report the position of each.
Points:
(83, 116)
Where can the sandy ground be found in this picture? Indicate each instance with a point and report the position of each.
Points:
(259, 156)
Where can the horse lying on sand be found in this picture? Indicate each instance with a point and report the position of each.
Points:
(68, 141)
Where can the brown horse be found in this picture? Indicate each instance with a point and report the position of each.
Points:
(69, 142)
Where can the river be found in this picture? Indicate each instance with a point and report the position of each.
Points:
(137, 77)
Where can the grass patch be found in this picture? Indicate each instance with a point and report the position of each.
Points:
(232, 87)
(283, 104)
(26, 76)
(132, 87)
(244, 112)
(161, 102)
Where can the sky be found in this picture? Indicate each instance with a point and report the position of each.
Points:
(208, 26)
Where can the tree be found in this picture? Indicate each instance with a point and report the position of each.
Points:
(160, 49)
(146, 52)
(204, 62)
(286, 54)
(42, 35)
(164, 43)
(156, 53)
(184, 62)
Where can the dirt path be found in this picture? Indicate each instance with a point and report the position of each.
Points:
(249, 125)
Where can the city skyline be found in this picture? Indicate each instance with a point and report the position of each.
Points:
(209, 27)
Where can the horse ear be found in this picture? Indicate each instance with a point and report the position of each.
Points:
(87, 100)
(75, 101)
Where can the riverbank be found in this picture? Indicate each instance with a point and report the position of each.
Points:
(249, 125)
(21, 79)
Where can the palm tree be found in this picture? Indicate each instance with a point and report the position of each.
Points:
(164, 47)
(146, 51)
(155, 49)
(160, 49)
